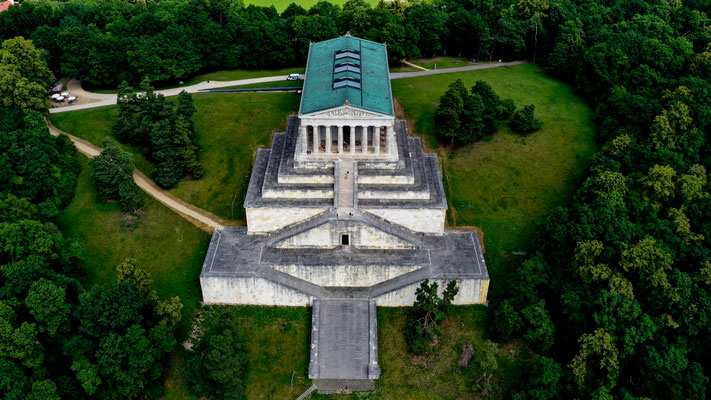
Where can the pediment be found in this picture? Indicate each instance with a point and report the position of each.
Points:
(328, 235)
(346, 111)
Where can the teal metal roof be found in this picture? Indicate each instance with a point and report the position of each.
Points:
(365, 83)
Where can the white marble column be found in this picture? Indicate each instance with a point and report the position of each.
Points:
(390, 139)
(340, 139)
(353, 139)
(316, 139)
(329, 140)
(304, 135)
(376, 139)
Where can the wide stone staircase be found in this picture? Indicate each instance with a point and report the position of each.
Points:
(344, 353)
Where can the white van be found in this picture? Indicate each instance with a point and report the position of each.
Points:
(292, 77)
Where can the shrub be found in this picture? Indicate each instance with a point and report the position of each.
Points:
(113, 176)
(524, 122)
(219, 363)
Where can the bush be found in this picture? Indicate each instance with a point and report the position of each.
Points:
(466, 117)
(220, 361)
(524, 122)
(113, 176)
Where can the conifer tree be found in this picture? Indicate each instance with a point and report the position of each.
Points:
(524, 122)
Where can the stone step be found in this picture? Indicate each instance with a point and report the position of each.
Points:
(343, 336)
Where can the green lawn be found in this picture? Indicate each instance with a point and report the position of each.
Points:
(164, 244)
(506, 183)
(278, 341)
(440, 377)
(442, 62)
(230, 126)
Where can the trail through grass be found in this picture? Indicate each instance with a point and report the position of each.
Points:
(230, 127)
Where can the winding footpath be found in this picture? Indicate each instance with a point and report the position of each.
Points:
(199, 217)
(94, 100)
(204, 220)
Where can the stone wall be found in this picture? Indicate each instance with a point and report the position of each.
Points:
(305, 179)
(249, 290)
(385, 180)
(392, 194)
(267, 219)
(418, 220)
(297, 194)
(471, 291)
(345, 275)
(361, 235)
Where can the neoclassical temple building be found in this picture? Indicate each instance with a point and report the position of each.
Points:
(345, 212)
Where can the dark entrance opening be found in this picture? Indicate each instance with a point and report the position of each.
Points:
(345, 240)
(346, 137)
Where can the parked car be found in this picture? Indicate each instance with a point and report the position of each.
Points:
(292, 77)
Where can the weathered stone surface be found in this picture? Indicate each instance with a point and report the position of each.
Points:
(427, 221)
(248, 290)
(345, 275)
(263, 219)
(470, 292)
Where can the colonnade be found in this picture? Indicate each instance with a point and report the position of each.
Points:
(346, 139)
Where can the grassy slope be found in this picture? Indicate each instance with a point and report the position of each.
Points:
(278, 340)
(230, 126)
(507, 183)
(172, 250)
(441, 378)
(164, 244)
(442, 62)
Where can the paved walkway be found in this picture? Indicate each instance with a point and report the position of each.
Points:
(200, 218)
(92, 100)
(343, 339)
(345, 182)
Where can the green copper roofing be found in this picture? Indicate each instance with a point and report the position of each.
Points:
(374, 77)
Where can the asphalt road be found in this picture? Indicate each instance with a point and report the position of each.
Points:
(92, 100)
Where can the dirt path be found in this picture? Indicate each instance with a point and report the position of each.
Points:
(197, 216)
(415, 74)
(413, 65)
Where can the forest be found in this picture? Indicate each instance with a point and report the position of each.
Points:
(616, 298)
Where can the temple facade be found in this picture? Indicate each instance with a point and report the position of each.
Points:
(344, 212)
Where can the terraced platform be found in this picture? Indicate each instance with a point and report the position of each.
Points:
(342, 237)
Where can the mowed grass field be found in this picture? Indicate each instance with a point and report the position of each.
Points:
(230, 126)
(507, 183)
